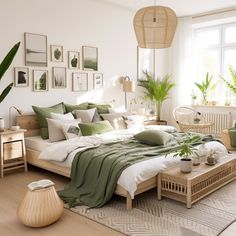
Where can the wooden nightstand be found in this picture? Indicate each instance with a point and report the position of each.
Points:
(151, 120)
(12, 147)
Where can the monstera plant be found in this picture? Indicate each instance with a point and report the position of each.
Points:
(4, 66)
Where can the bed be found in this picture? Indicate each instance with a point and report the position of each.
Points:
(145, 179)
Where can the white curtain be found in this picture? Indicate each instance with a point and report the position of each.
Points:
(180, 61)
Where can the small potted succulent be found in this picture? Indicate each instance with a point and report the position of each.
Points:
(186, 151)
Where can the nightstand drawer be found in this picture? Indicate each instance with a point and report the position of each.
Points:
(12, 150)
(12, 137)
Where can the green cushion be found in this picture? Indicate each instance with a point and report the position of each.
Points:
(153, 137)
(99, 127)
(101, 108)
(44, 112)
(82, 106)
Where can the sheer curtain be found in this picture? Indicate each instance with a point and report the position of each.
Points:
(180, 63)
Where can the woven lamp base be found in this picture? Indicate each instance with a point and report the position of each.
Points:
(40, 208)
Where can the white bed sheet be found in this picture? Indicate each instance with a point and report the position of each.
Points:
(131, 176)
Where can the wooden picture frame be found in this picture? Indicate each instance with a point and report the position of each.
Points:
(73, 60)
(79, 82)
(40, 80)
(90, 58)
(56, 53)
(21, 77)
(59, 77)
(98, 81)
(36, 52)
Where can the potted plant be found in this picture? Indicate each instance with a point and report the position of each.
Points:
(194, 98)
(3, 68)
(186, 151)
(156, 90)
(231, 85)
(205, 87)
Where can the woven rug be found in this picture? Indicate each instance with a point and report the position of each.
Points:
(150, 217)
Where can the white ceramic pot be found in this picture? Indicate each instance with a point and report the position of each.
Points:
(2, 124)
(186, 165)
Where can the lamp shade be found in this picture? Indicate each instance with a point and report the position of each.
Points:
(128, 86)
(155, 27)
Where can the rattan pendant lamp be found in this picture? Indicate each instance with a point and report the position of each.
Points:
(155, 26)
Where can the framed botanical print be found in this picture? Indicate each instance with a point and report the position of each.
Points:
(59, 77)
(145, 62)
(36, 50)
(21, 77)
(73, 60)
(90, 58)
(56, 53)
(79, 82)
(98, 81)
(40, 80)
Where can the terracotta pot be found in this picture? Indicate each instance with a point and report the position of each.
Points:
(186, 165)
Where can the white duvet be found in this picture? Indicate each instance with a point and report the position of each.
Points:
(63, 153)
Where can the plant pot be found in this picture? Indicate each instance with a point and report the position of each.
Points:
(2, 124)
(186, 165)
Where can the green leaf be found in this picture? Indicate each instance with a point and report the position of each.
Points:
(8, 59)
(5, 92)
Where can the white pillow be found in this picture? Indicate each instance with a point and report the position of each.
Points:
(85, 115)
(134, 121)
(57, 116)
(55, 128)
(71, 130)
(117, 110)
(116, 120)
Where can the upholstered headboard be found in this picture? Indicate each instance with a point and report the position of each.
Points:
(30, 123)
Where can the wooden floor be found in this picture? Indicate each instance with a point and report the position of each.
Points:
(12, 190)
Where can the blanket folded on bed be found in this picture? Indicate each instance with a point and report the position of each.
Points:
(95, 171)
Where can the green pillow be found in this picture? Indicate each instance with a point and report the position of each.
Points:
(82, 106)
(101, 108)
(44, 112)
(99, 127)
(153, 137)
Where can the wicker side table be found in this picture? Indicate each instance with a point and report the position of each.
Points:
(40, 208)
(203, 180)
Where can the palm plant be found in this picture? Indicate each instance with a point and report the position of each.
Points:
(205, 87)
(4, 66)
(156, 90)
(231, 85)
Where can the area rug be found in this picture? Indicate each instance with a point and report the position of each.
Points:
(150, 217)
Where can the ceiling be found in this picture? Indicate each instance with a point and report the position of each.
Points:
(181, 7)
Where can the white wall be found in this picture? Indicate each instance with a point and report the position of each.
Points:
(71, 23)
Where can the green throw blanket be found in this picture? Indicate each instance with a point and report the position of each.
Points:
(96, 170)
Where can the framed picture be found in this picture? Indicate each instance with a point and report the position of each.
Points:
(56, 53)
(79, 82)
(59, 77)
(145, 62)
(73, 60)
(98, 81)
(21, 77)
(40, 80)
(36, 50)
(90, 58)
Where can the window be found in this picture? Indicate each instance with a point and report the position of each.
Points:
(214, 51)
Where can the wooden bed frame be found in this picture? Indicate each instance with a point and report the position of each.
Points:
(30, 123)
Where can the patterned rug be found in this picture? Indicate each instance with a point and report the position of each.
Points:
(150, 217)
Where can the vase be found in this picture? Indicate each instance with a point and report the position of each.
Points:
(186, 165)
(2, 124)
(40, 208)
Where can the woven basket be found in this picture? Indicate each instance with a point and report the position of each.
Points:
(40, 208)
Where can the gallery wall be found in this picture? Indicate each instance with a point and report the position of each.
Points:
(72, 24)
